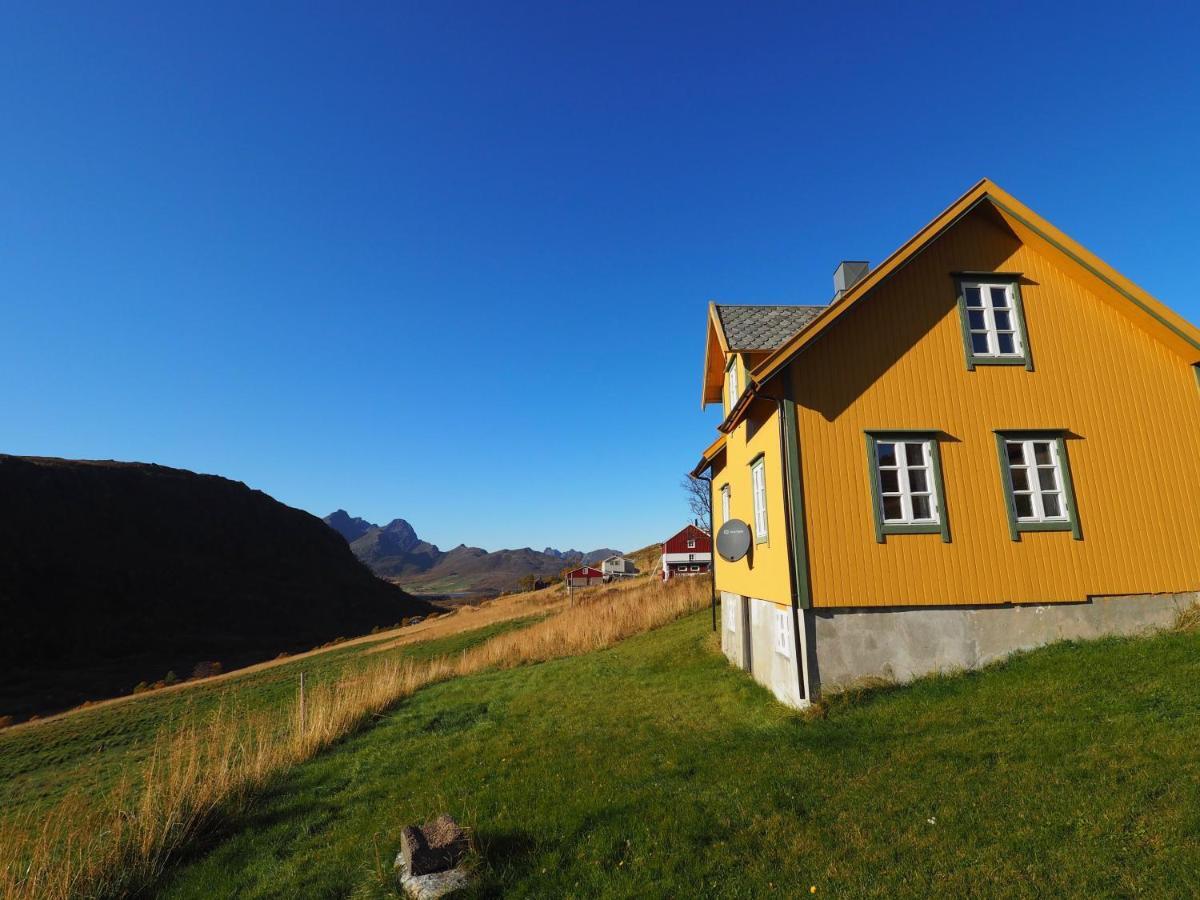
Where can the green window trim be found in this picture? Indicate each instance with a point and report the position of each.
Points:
(882, 528)
(972, 359)
(1015, 526)
(763, 537)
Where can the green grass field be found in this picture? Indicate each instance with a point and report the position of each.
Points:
(654, 769)
(92, 748)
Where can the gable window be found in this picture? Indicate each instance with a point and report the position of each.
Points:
(993, 320)
(1037, 483)
(731, 378)
(906, 483)
(691, 543)
(758, 480)
(724, 503)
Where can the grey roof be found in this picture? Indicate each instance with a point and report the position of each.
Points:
(762, 327)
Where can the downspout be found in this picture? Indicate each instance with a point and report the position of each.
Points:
(794, 527)
(712, 554)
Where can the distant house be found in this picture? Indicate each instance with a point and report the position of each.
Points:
(688, 552)
(618, 567)
(584, 576)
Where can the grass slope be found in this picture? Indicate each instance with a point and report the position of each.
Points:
(655, 769)
(92, 748)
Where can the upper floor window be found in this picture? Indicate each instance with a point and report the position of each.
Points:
(732, 382)
(906, 483)
(691, 543)
(993, 321)
(758, 480)
(724, 503)
(1037, 483)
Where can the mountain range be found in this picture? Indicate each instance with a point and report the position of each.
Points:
(395, 551)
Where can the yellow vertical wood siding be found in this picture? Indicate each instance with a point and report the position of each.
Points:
(766, 571)
(1130, 404)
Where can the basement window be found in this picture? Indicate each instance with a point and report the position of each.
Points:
(993, 321)
(783, 629)
(1037, 482)
(906, 484)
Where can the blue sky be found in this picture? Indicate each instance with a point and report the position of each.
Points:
(450, 261)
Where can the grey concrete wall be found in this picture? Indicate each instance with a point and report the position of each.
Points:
(852, 644)
(774, 670)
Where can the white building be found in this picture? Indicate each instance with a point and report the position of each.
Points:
(618, 567)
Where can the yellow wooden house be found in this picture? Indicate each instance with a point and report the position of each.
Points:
(987, 442)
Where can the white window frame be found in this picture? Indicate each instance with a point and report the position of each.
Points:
(758, 481)
(724, 503)
(732, 381)
(1033, 476)
(691, 544)
(783, 633)
(903, 490)
(989, 326)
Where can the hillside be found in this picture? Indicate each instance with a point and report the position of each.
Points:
(655, 768)
(112, 573)
(395, 551)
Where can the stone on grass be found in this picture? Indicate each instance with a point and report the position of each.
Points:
(431, 858)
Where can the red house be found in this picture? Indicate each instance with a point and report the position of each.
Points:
(584, 576)
(687, 553)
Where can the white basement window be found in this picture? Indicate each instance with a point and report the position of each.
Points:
(783, 632)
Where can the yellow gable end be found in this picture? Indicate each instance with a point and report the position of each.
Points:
(895, 361)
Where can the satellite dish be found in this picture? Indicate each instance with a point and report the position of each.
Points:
(733, 540)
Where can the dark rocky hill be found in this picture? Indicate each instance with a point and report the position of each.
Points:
(112, 573)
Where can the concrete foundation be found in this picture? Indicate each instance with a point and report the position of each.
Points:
(761, 638)
(841, 646)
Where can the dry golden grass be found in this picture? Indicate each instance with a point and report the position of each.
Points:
(209, 770)
(1188, 619)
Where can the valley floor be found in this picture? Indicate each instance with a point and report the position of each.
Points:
(654, 769)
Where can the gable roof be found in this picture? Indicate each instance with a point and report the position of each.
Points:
(689, 530)
(746, 328)
(585, 572)
(1165, 324)
(1169, 326)
(762, 328)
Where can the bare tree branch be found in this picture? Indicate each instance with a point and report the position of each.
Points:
(699, 498)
